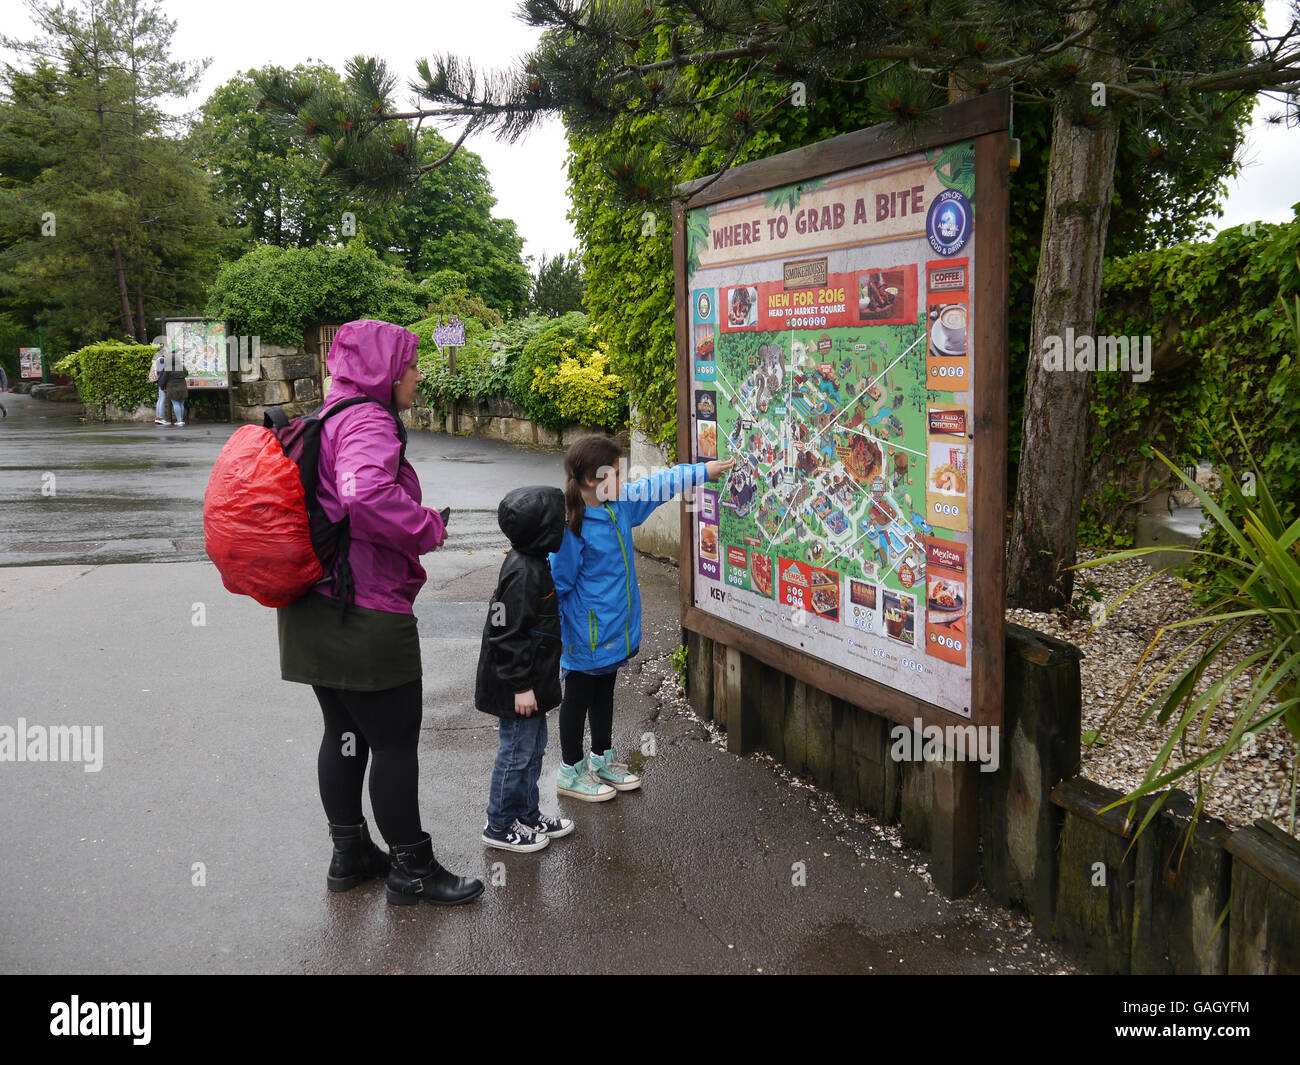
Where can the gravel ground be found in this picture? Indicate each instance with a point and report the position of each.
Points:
(1253, 782)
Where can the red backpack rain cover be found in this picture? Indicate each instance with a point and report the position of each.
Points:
(255, 525)
(262, 523)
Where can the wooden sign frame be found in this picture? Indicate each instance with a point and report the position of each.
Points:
(986, 121)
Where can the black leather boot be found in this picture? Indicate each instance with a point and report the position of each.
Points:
(416, 876)
(357, 857)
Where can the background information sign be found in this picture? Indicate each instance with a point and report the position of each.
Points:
(203, 345)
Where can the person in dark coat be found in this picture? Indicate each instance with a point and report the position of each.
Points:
(519, 668)
(172, 387)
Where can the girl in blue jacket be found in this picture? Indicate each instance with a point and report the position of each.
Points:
(600, 603)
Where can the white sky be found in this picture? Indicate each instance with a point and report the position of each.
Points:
(528, 178)
(1270, 179)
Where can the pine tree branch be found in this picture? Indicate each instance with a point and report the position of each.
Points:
(469, 126)
(1249, 77)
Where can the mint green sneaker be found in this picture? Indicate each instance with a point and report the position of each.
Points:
(579, 782)
(611, 772)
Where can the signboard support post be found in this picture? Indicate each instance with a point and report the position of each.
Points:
(954, 832)
(451, 403)
(451, 336)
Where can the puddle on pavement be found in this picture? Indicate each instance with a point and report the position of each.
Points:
(63, 547)
(122, 464)
(170, 437)
(137, 507)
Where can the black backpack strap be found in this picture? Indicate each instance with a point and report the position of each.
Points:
(401, 435)
(344, 585)
(351, 401)
(275, 418)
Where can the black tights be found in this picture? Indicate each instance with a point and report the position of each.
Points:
(385, 724)
(586, 695)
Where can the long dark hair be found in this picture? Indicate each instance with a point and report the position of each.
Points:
(586, 457)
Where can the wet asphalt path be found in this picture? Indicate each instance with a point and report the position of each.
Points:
(134, 493)
(200, 845)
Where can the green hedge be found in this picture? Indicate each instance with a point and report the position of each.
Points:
(112, 371)
(276, 293)
(1222, 348)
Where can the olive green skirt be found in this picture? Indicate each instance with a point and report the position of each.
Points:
(365, 650)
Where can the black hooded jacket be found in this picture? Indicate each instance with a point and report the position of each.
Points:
(521, 638)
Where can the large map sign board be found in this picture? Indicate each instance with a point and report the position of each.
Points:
(839, 338)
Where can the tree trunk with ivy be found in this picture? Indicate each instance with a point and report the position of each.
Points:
(1067, 291)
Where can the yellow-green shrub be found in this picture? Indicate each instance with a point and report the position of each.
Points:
(534, 387)
(582, 387)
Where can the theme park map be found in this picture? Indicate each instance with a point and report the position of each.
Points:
(829, 440)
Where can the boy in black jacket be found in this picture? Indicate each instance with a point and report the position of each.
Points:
(519, 668)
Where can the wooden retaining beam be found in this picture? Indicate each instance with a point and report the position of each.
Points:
(1265, 922)
(1179, 895)
(1020, 828)
(1094, 891)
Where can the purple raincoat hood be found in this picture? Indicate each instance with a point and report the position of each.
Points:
(362, 474)
(367, 356)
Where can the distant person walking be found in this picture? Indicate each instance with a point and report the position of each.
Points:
(171, 387)
(4, 387)
(156, 376)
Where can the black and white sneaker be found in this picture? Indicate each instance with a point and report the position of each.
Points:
(550, 827)
(517, 837)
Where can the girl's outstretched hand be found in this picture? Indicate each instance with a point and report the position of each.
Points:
(714, 467)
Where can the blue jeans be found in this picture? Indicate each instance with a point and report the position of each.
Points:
(519, 765)
(160, 408)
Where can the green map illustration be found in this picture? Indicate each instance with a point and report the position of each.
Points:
(828, 428)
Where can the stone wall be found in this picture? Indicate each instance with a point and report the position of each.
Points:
(282, 376)
(113, 413)
(496, 418)
(48, 391)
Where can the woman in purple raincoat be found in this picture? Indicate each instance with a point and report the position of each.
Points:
(364, 663)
